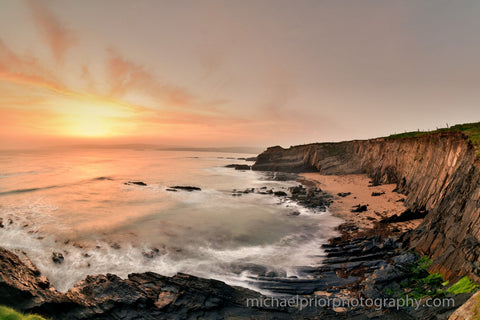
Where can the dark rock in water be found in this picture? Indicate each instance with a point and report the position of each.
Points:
(294, 213)
(359, 208)
(152, 253)
(115, 246)
(275, 274)
(376, 194)
(298, 190)
(172, 190)
(251, 159)
(344, 194)
(57, 257)
(138, 183)
(251, 190)
(1, 223)
(280, 193)
(238, 166)
(186, 188)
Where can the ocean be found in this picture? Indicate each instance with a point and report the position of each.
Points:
(78, 202)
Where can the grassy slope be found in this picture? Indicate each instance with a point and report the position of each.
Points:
(10, 314)
(472, 130)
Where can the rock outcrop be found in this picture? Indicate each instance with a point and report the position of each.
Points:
(439, 173)
(140, 296)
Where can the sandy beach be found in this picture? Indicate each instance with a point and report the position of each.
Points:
(379, 207)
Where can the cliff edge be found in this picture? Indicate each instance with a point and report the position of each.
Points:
(438, 172)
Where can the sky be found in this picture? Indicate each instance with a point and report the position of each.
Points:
(234, 73)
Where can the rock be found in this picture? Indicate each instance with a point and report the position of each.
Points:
(376, 194)
(275, 274)
(407, 215)
(446, 181)
(1, 223)
(406, 258)
(359, 208)
(186, 188)
(344, 194)
(57, 257)
(238, 166)
(171, 190)
(152, 253)
(294, 213)
(138, 183)
(115, 246)
(468, 310)
(280, 193)
(147, 296)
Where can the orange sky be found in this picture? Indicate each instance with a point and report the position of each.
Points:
(236, 73)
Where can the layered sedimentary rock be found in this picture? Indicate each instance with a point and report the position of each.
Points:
(439, 173)
(140, 296)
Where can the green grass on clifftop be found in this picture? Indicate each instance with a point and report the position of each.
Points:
(10, 314)
(472, 130)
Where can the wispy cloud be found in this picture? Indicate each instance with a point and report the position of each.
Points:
(125, 76)
(58, 37)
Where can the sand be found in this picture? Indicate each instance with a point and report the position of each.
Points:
(379, 207)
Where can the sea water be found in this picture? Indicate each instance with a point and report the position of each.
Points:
(78, 202)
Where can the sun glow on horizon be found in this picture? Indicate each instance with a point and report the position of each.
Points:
(95, 119)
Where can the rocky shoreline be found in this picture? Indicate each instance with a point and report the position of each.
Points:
(360, 263)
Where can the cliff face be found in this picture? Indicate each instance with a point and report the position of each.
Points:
(438, 173)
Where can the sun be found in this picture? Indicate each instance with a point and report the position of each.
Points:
(90, 127)
(94, 120)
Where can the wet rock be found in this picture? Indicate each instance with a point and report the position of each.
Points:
(138, 183)
(152, 253)
(251, 190)
(1, 223)
(280, 193)
(186, 188)
(57, 257)
(115, 246)
(294, 213)
(171, 190)
(275, 274)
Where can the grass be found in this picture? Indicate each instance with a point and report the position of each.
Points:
(10, 314)
(423, 284)
(464, 285)
(471, 130)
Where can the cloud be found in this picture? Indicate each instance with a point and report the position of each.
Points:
(58, 37)
(125, 77)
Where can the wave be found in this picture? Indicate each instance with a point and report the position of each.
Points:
(16, 174)
(102, 179)
(28, 190)
(17, 191)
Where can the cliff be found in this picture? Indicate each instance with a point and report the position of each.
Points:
(438, 172)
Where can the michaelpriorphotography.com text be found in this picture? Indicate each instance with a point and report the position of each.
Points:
(301, 302)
